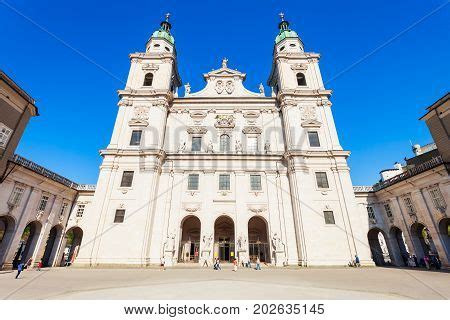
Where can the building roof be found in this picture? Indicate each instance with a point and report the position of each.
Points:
(10, 82)
(437, 104)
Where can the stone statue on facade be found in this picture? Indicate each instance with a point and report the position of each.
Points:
(210, 148)
(242, 242)
(267, 146)
(169, 245)
(207, 241)
(182, 147)
(277, 243)
(238, 146)
(187, 89)
(261, 89)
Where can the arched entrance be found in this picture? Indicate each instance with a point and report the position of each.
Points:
(51, 246)
(7, 225)
(444, 230)
(27, 243)
(224, 239)
(73, 239)
(422, 240)
(378, 247)
(258, 240)
(189, 249)
(401, 248)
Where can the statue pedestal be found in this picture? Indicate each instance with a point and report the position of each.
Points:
(279, 258)
(242, 255)
(168, 258)
(206, 255)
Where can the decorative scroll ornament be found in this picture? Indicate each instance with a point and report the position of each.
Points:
(229, 87)
(197, 130)
(224, 121)
(219, 86)
(140, 116)
(251, 130)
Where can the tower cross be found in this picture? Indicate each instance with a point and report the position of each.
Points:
(167, 17)
(281, 14)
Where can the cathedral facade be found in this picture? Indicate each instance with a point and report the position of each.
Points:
(224, 172)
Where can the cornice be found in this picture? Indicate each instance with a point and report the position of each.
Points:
(316, 154)
(274, 156)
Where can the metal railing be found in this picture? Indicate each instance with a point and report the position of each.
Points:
(43, 171)
(362, 188)
(86, 187)
(433, 163)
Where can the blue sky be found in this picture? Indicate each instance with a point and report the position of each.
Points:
(376, 104)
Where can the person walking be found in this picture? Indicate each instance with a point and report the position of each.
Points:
(235, 264)
(163, 264)
(426, 259)
(19, 269)
(258, 264)
(29, 264)
(357, 262)
(39, 266)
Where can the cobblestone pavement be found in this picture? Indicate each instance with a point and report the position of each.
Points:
(197, 283)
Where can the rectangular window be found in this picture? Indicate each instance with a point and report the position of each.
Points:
(16, 195)
(388, 210)
(255, 182)
(119, 217)
(80, 210)
(437, 198)
(322, 180)
(196, 144)
(224, 182)
(127, 179)
(329, 217)
(313, 137)
(136, 138)
(193, 182)
(371, 212)
(43, 203)
(62, 212)
(409, 205)
(252, 144)
(5, 134)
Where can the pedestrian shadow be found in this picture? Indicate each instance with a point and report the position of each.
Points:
(423, 269)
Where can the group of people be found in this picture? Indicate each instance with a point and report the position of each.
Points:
(27, 266)
(429, 261)
(246, 263)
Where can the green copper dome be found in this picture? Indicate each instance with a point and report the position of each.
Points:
(163, 34)
(285, 34)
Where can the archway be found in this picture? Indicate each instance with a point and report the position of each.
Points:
(224, 239)
(190, 240)
(444, 230)
(27, 243)
(51, 247)
(73, 238)
(258, 240)
(378, 247)
(422, 240)
(401, 251)
(7, 225)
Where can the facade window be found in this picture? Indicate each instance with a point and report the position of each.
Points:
(62, 212)
(255, 182)
(16, 195)
(5, 134)
(119, 216)
(193, 181)
(224, 182)
(252, 144)
(43, 203)
(80, 210)
(136, 138)
(127, 179)
(301, 80)
(148, 80)
(224, 143)
(437, 198)
(329, 217)
(196, 144)
(371, 212)
(409, 205)
(313, 137)
(322, 180)
(388, 210)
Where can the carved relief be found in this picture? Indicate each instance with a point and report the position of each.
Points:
(251, 130)
(197, 130)
(251, 117)
(198, 116)
(224, 121)
(124, 102)
(309, 116)
(140, 116)
(299, 66)
(229, 87)
(219, 86)
(150, 66)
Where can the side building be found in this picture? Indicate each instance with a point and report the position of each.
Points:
(408, 209)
